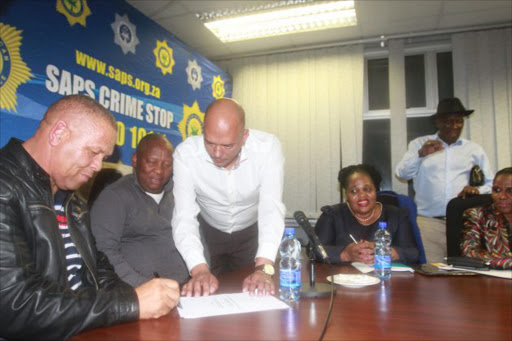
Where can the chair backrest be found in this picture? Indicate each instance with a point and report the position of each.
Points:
(454, 223)
(400, 200)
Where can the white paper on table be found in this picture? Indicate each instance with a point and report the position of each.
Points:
(365, 268)
(224, 304)
(495, 273)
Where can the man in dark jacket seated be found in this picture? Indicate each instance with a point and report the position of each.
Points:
(53, 281)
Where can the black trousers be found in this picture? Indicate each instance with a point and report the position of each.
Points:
(229, 251)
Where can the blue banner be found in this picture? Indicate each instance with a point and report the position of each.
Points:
(148, 78)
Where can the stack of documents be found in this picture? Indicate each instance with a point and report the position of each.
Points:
(495, 273)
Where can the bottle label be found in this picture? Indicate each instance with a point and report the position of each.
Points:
(382, 262)
(289, 279)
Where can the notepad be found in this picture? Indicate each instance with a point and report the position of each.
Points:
(366, 268)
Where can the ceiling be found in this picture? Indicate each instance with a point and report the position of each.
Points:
(375, 18)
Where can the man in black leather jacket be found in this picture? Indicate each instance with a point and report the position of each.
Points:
(36, 299)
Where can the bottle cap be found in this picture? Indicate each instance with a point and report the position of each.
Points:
(289, 230)
(383, 224)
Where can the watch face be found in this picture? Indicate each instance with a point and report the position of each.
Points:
(268, 269)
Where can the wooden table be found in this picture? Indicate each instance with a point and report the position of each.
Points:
(408, 307)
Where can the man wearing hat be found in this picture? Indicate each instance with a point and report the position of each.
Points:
(440, 167)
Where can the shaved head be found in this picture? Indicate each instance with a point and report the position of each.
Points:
(224, 131)
(226, 109)
(147, 140)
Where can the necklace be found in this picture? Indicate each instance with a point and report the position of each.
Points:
(361, 218)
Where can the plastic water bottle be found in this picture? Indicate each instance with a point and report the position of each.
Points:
(289, 266)
(383, 251)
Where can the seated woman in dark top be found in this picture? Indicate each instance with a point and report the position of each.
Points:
(359, 217)
(487, 231)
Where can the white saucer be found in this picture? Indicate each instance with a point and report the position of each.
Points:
(354, 281)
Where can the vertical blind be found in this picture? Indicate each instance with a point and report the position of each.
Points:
(483, 81)
(312, 100)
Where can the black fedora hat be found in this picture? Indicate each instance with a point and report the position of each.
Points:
(451, 106)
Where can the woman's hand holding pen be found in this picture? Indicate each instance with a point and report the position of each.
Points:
(359, 251)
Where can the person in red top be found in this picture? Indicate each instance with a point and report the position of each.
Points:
(487, 233)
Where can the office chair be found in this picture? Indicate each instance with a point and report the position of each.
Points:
(454, 223)
(400, 200)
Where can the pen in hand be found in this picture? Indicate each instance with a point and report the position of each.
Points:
(157, 275)
(355, 241)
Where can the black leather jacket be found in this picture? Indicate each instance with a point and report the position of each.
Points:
(36, 301)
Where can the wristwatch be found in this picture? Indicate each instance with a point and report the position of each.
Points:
(266, 268)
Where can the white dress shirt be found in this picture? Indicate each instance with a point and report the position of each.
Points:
(229, 200)
(440, 176)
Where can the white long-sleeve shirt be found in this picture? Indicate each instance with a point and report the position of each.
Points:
(229, 200)
(439, 177)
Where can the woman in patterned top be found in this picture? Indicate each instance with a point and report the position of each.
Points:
(487, 231)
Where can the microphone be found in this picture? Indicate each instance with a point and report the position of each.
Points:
(303, 221)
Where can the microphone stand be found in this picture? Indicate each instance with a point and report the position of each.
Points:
(313, 289)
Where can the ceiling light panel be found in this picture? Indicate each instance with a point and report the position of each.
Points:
(285, 17)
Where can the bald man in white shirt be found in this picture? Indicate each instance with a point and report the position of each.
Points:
(228, 186)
